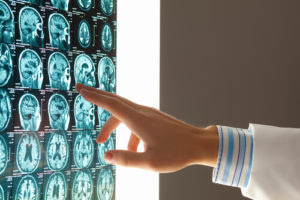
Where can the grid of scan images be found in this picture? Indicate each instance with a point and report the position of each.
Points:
(47, 130)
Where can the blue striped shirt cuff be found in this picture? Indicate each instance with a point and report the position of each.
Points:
(235, 157)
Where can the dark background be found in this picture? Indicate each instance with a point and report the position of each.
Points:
(230, 63)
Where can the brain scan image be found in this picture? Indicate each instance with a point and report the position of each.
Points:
(7, 25)
(30, 69)
(56, 188)
(60, 4)
(27, 189)
(84, 112)
(107, 75)
(107, 7)
(31, 27)
(59, 31)
(84, 70)
(105, 184)
(84, 34)
(5, 109)
(57, 151)
(3, 154)
(29, 112)
(83, 149)
(59, 71)
(84, 5)
(28, 153)
(103, 116)
(106, 38)
(6, 64)
(103, 148)
(58, 110)
(82, 188)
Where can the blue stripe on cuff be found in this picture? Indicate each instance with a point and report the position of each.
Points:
(229, 155)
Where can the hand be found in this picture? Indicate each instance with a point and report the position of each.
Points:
(169, 144)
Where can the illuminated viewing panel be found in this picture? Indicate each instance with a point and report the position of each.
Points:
(47, 129)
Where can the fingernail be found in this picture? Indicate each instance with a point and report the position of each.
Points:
(109, 157)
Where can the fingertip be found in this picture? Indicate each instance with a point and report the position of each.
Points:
(109, 157)
(79, 86)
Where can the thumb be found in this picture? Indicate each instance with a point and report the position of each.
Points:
(126, 158)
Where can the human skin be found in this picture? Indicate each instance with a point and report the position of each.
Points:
(169, 144)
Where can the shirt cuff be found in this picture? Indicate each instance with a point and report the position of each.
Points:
(235, 157)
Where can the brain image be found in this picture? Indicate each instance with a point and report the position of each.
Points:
(84, 34)
(82, 188)
(3, 154)
(60, 4)
(27, 189)
(57, 152)
(107, 75)
(58, 110)
(84, 70)
(29, 112)
(59, 31)
(5, 109)
(105, 184)
(84, 112)
(30, 69)
(107, 7)
(56, 188)
(103, 116)
(83, 149)
(6, 64)
(59, 71)
(106, 38)
(7, 26)
(31, 27)
(84, 5)
(103, 148)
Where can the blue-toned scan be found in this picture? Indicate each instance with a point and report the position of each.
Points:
(57, 151)
(60, 4)
(82, 188)
(105, 184)
(5, 109)
(107, 7)
(29, 112)
(103, 116)
(58, 109)
(36, 2)
(30, 69)
(31, 27)
(84, 5)
(84, 34)
(59, 71)
(83, 149)
(28, 153)
(6, 64)
(7, 25)
(1, 193)
(84, 70)
(103, 148)
(59, 31)
(56, 188)
(107, 75)
(106, 38)
(3, 154)
(84, 112)
(27, 189)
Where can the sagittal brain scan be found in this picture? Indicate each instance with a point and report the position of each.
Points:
(5, 109)
(84, 70)
(59, 71)
(31, 69)
(106, 38)
(56, 188)
(28, 153)
(6, 64)
(59, 31)
(84, 5)
(107, 7)
(107, 75)
(7, 25)
(58, 109)
(103, 148)
(3, 155)
(105, 184)
(31, 27)
(83, 149)
(82, 188)
(57, 151)
(84, 34)
(60, 4)
(29, 112)
(27, 189)
(84, 112)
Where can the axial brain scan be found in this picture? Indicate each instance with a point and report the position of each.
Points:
(60, 4)
(59, 31)
(3, 155)
(58, 110)
(56, 188)
(85, 5)
(105, 184)
(84, 112)
(84, 34)
(28, 153)
(57, 152)
(27, 189)
(31, 27)
(83, 149)
(106, 38)
(103, 148)
(84, 71)
(107, 75)
(7, 25)
(6, 64)
(82, 188)
(29, 112)
(5, 109)
(31, 69)
(107, 7)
